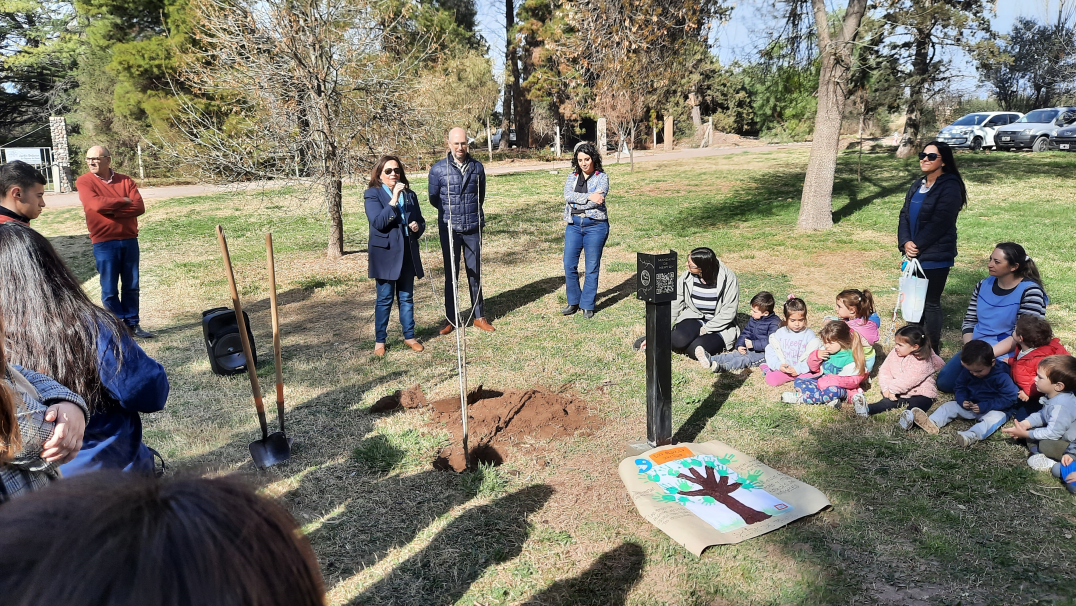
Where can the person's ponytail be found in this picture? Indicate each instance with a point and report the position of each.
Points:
(1016, 255)
(10, 438)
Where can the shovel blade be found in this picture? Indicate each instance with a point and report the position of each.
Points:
(272, 450)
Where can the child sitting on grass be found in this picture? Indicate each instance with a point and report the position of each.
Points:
(750, 348)
(984, 392)
(1050, 431)
(906, 377)
(1034, 342)
(856, 308)
(840, 360)
(789, 346)
(1066, 469)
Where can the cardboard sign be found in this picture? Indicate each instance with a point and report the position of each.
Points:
(716, 495)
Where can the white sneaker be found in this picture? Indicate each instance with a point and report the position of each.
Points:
(702, 357)
(1040, 462)
(906, 420)
(965, 439)
(834, 403)
(859, 402)
(790, 397)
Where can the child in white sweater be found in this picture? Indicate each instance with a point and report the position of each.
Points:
(1052, 430)
(786, 354)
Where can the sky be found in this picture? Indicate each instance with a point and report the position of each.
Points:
(744, 33)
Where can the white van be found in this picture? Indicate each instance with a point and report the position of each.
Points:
(976, 131)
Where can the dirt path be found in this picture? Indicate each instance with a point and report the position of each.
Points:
(181, 191)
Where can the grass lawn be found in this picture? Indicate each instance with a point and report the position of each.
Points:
(914, 519)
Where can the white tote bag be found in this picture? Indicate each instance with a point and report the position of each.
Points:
(913, 291)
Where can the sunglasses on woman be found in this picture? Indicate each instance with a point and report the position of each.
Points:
(932, 157)
(392, 171)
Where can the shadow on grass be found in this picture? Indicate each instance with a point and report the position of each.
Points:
(849, 188)
(481, 537)
(962, 512)
(616, 294)
(725, 384)
(77, 252)
(606, 582)
(504, 303)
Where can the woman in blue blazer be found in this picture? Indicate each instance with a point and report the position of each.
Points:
(396, 224)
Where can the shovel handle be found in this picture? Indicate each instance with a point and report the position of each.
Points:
(275, 313)
(241, 323)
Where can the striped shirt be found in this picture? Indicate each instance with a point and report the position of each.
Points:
(1033, 302)
(704, 297)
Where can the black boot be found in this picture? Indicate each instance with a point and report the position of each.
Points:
(569, 310)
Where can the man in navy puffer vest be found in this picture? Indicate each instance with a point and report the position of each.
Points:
(457, 191)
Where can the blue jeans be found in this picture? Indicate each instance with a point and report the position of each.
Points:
(403, 290)
(947, 375)
(117, 261)
(583, 234)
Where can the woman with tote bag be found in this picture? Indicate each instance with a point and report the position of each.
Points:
(927, 227)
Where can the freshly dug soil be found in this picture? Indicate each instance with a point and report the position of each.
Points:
(497, 420)
(412, 397)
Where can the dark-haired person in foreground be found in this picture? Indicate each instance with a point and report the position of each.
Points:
(22, 192)
(113, 205)
(53, 328)
(118, 540)
(587, 227)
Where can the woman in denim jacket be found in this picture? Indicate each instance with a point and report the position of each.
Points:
(587, 227)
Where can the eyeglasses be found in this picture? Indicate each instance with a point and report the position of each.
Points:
(392, 171)
(932, 157)
(98, 159)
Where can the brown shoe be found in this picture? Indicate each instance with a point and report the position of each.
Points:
(379, 349)
(447, 329)
(923, 421)
(414, 344)
(484, 324)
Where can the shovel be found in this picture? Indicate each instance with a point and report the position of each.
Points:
(276, 342)
(269, 450)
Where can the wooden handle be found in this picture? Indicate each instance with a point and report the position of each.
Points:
(252, 372)
(276, 320)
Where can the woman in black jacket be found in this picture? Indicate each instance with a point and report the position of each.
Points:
(927, 229)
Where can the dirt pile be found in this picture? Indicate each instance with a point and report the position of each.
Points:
(497, 420)
(412, 397)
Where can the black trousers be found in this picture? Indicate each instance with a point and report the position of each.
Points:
(468, 246)
(686, 336)
(921, 402)
(932, 310)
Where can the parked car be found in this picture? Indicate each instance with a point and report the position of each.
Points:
(1034, 130)
(1065, 139)
(976, 131)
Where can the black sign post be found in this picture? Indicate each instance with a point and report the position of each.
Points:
(656, 281)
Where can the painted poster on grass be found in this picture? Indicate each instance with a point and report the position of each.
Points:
(712, 494)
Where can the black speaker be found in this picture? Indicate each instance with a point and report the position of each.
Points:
(222, 341)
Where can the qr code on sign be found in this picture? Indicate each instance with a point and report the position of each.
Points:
(666, 283)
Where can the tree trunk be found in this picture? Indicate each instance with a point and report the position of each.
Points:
(511, 68)
(912, 117)
(335, 200)
(721, 491)
(522, 103)
(816, 203)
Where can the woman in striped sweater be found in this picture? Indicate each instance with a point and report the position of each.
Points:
(1013, 289)
(707, 298)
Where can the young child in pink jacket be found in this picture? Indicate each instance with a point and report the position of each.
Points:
(906, 377)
